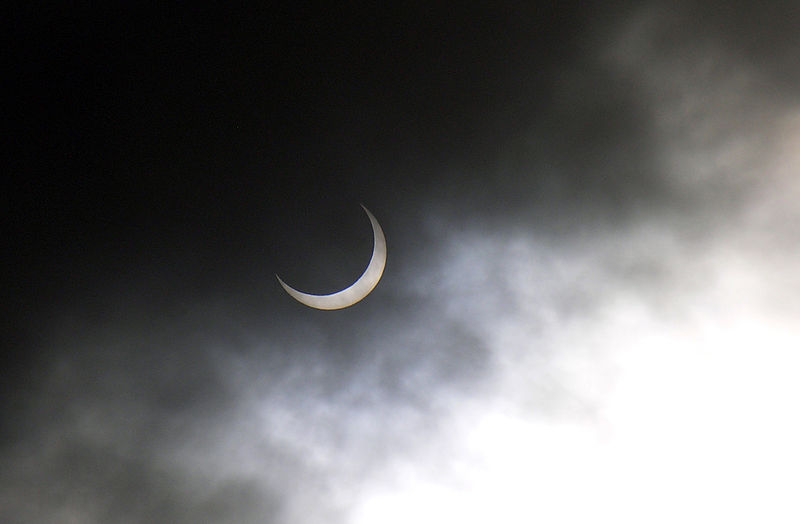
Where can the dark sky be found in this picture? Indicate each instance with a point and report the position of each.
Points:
(585, 206)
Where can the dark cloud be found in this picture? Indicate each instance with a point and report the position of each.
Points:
(589, 221)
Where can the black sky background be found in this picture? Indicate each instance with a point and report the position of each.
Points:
(167, 162)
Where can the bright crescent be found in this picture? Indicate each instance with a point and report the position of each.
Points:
(360, 288)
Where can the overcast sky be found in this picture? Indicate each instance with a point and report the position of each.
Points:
(589, 311)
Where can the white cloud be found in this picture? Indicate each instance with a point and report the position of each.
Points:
(639, 371)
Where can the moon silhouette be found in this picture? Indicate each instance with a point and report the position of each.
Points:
(360, 288)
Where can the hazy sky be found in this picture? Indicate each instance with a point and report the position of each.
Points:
(589, 311)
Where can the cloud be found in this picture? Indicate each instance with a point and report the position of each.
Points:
(557, 360)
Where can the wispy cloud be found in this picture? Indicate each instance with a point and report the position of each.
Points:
(614, 368)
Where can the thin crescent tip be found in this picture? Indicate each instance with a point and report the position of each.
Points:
(369, 214)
